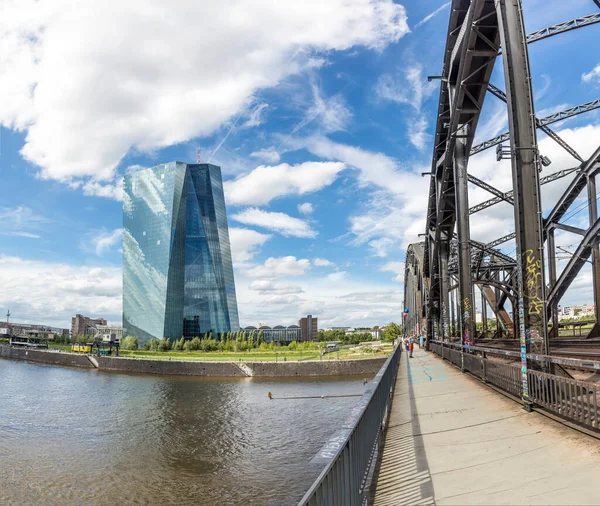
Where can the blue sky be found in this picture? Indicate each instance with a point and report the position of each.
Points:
(319, 113)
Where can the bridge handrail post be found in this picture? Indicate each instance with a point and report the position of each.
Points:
(484, 361)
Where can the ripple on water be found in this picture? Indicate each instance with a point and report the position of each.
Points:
(71, 437)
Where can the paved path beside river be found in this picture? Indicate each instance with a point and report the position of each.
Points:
(452, 440)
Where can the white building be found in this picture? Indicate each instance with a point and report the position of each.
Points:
(109, 333)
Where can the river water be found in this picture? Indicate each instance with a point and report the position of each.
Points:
(81, 437)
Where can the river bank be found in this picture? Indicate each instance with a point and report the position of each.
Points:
(309, 368)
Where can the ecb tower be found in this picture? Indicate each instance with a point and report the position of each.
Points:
(177, 269)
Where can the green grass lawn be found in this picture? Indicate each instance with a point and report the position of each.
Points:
(253, 356)
(64, 347)
(247, 356)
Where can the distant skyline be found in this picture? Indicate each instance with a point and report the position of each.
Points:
(318, 112)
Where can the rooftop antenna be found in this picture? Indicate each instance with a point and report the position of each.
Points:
(198, 160)
(7, 317)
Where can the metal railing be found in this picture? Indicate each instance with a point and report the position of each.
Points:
(571, 399)
(351, 454)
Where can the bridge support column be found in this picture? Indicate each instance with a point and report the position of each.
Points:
(483, 316)
(465, 285)
(525, 161)
(593, 211)
(444, 291)
(452, 315)
(552, 279)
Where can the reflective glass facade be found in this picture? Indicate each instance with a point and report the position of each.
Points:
(177, 268)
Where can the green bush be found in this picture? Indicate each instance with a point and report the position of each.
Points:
(164, 345)
(130, 343)
(152, 345)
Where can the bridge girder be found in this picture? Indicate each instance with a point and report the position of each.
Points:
(478, 31)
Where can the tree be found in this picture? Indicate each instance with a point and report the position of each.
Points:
(165, 344)
(251, 340)
(187, 346)
(392, 331)
(152, 345)
(260, 337)
(195, 344)
(130, 343)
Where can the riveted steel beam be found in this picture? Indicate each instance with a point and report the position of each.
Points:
(494, 90)
(569, 228)
(489, 188)
(577, 261)
(509, 194)
(566, 26)
(553, 118)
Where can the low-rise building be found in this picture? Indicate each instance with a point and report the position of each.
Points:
(18, 329)
(109, 333)
(80, 324)
(576, 311)
(279, 333)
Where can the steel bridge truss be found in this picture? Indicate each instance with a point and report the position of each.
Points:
(441, 271)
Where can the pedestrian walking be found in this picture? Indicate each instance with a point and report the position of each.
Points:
(411, 346)
(406, 345)
(421, 341)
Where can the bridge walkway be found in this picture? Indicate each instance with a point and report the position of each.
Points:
(453, 440)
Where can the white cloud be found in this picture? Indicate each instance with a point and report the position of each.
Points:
(375, 168)
(267, 286)
(279, 222)
(29, 235)
(108, 190)
(74, 78)
(256, 116)
(264, 183)
(409, 88)
(347, 301)
(21, 221)
(541, 93)
(393, 215)
(277, 267)
(323, 262)
(269, 155)
(412, 89)
(329, 114)
(305, 208)
(382, 246)
(134, 168)
(245, 243)
(333, 113)
(50, 293)
(431, 16)
(395, 267)
(417, 132)
(494, 121)
(337, 276)
(592, 76)
(101, 241)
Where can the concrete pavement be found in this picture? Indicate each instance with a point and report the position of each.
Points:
(452, 440)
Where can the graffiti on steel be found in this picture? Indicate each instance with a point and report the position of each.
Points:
(533, 283)
(522, 334)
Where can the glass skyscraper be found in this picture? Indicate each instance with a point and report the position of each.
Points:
(177, 269)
